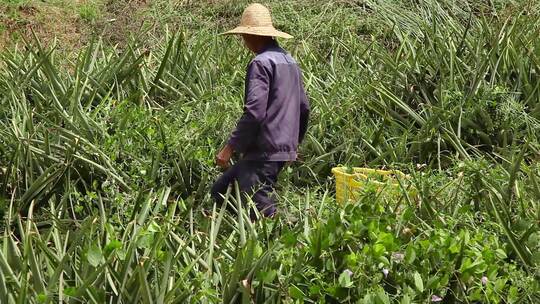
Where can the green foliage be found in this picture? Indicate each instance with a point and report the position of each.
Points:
(16, 2)
(105, 163)
(89, 11)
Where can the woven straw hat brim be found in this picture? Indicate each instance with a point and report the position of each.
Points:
(258, 31)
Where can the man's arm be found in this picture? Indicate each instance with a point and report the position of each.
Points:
(256, 100)
(304, 114)
(255, 103)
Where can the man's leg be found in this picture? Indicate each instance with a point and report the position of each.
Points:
(259, 185)
(256, 179)
(242, 172)
(220, 186)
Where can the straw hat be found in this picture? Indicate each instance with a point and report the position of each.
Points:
(256, 20)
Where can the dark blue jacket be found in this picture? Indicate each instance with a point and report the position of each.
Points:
(276, 108)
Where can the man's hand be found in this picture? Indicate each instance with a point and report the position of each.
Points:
(224, 157)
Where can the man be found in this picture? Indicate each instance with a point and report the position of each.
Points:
(275, 118)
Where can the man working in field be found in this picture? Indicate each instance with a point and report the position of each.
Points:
(275, 118)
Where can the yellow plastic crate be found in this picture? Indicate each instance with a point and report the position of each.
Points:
(349, 186)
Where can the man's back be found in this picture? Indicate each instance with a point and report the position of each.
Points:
(276, 108)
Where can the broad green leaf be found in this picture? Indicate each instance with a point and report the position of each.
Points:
(41, 298)
(501, 254)
(95, 256)
(378, 249)
(418, 283)
(296, 293)
(382, 297)
(314, 289)
(153, 227)
(145, 240)
(345, 280)
(70, 291)
(268, 276)
(405, 299)
(410, 254)
(112, 245)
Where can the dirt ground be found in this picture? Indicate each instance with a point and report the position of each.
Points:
(69, 23)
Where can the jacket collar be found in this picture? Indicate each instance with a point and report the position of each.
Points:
(271, 45)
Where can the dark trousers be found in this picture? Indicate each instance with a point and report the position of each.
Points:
(256, 179)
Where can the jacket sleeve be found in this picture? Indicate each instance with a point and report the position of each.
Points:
(304, 113)
(255, 104)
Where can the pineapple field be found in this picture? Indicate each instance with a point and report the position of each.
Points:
(112, 112)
